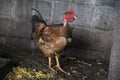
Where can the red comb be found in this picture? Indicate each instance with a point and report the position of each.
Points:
(72, 11)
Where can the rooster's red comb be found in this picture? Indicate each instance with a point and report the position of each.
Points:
(72, 11)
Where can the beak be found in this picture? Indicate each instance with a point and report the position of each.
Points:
(75, 17)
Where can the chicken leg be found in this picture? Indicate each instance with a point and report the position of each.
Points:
(49, 59)
(58, 64)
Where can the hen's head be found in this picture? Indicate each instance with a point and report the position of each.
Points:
(69, 16)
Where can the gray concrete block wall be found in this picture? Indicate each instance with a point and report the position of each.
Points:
(96, 17)
(92, 39)
(91, 43)
(97, 2)
(3, 10)
(92, 29)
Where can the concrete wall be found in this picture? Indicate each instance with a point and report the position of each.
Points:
(92, 33)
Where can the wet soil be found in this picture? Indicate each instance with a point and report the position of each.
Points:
(79, 69)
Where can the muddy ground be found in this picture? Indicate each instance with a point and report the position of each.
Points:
(33, 62)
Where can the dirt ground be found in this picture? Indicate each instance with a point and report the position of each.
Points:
(33, 65)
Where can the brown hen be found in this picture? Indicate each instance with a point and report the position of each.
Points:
(53, 38)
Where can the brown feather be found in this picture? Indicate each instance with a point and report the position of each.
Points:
(52, 38)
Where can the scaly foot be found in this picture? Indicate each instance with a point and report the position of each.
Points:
(61, 69)
(52, 69)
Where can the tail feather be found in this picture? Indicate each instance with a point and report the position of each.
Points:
(36, 17)
(36, 12)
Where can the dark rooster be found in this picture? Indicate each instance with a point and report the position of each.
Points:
(52, 38)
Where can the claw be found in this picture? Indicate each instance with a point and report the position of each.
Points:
(61, 69)
(52, 69)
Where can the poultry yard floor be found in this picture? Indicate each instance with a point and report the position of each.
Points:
(32, 65)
